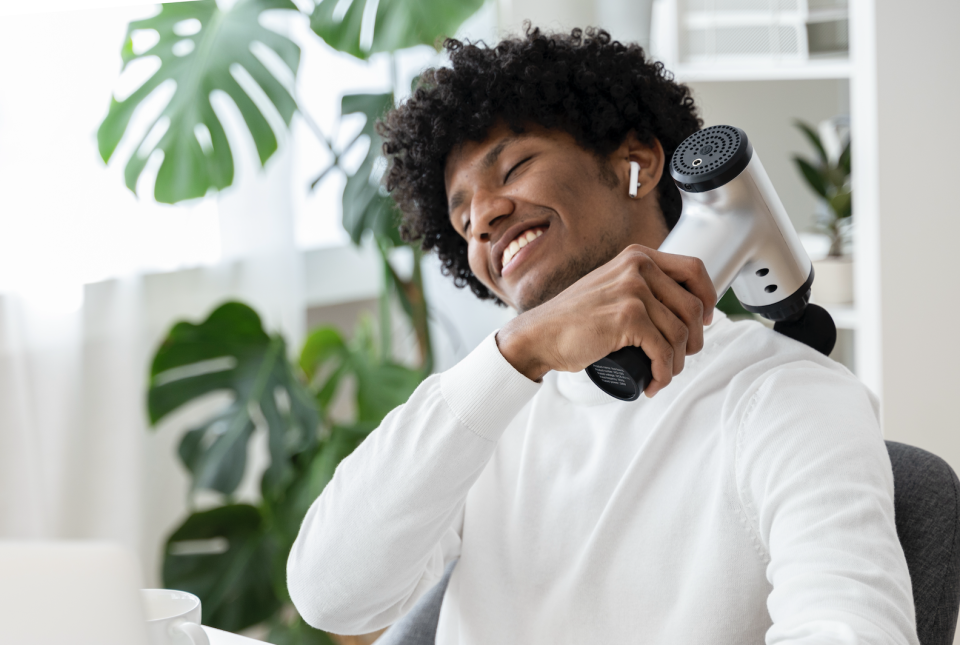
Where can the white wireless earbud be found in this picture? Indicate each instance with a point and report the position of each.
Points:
(634, 178)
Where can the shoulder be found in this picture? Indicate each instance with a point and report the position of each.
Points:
(793, 414)
(763, 369)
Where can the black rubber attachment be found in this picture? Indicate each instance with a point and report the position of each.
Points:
(623, 374)
(710, 158)
(814, 327)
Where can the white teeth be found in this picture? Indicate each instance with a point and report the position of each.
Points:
(521, 241)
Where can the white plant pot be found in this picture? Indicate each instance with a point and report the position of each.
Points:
(833, 281)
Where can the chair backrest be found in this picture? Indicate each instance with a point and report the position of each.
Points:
(926, 500)
(419, 625)
(927, 507)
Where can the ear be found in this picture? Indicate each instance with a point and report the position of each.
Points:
(650, 157)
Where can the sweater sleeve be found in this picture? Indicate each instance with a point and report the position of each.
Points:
(815, 480)
(380, 534)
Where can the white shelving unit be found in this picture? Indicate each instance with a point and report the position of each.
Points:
(752, 89)
(674, 21)
(809, 70)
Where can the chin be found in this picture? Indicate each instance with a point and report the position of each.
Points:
(543, 288)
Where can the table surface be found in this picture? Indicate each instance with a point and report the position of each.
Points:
(218, 637)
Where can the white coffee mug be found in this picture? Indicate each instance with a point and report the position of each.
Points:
(173, 617)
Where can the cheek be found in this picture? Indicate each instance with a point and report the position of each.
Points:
(478, 264)
(476, 257)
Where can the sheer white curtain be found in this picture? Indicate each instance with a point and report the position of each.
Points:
(91, 279)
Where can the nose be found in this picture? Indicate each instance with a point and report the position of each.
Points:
(488, 210)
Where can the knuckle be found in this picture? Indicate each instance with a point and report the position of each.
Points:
(696, 308)
(666, 352)
(695, 346)
(637, 286)
(626, 256)
(632, 311)
(634, 255)
(631, 284)
(642, 259)
(636, 309)
(692, 311)
(698, 266)
(677, 335)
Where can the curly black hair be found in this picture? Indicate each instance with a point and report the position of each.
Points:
(594, 88)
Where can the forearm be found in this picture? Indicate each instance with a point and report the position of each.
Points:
(379, 535)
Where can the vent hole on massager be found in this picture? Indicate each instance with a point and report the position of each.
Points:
(762, 272)
(770, 288)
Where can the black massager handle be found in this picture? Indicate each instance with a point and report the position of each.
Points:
(625, 373)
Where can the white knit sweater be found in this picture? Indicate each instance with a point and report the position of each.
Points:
(751, 500)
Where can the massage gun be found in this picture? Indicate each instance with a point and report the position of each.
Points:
(732, 219)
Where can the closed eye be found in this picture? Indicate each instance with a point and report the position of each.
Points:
(517, 165)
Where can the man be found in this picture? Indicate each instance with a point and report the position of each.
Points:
(747, 498)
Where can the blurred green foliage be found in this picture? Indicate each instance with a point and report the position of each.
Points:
(199, 48)
(233, 556)
(829, 178)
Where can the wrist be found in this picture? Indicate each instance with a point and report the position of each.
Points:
(517, 346)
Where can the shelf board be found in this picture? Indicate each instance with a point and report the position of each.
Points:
(805, 70)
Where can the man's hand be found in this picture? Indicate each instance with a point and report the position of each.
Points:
(656, 301)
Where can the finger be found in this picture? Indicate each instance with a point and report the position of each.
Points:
(692, 274)
(641, 331)
(673, 329)
(685, 309)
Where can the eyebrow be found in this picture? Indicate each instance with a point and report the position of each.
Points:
(489, 160)
(491, 157)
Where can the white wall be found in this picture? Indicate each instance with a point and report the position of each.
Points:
(551, 15)
(917, 166)
(765, 110)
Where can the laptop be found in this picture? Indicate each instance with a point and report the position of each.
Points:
(75, 593)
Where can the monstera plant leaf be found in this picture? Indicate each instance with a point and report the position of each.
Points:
(202, 48)
(231, 352)
(227, 558)
(398, 23)
(365, 205)
(381, 383)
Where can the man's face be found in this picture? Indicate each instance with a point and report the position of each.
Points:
(539, 212)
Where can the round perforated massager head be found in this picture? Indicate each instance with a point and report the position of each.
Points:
(710, 158)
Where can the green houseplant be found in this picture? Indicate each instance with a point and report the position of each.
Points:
(829, 177)
(233, 555)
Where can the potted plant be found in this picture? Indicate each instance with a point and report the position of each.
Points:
(233, 554)
(829, 177)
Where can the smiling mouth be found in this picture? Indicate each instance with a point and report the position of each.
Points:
(518, 243)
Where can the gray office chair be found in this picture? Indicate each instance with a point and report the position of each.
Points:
(926, 501)
(927, 507)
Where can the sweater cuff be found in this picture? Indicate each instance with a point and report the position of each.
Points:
(485, 391)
